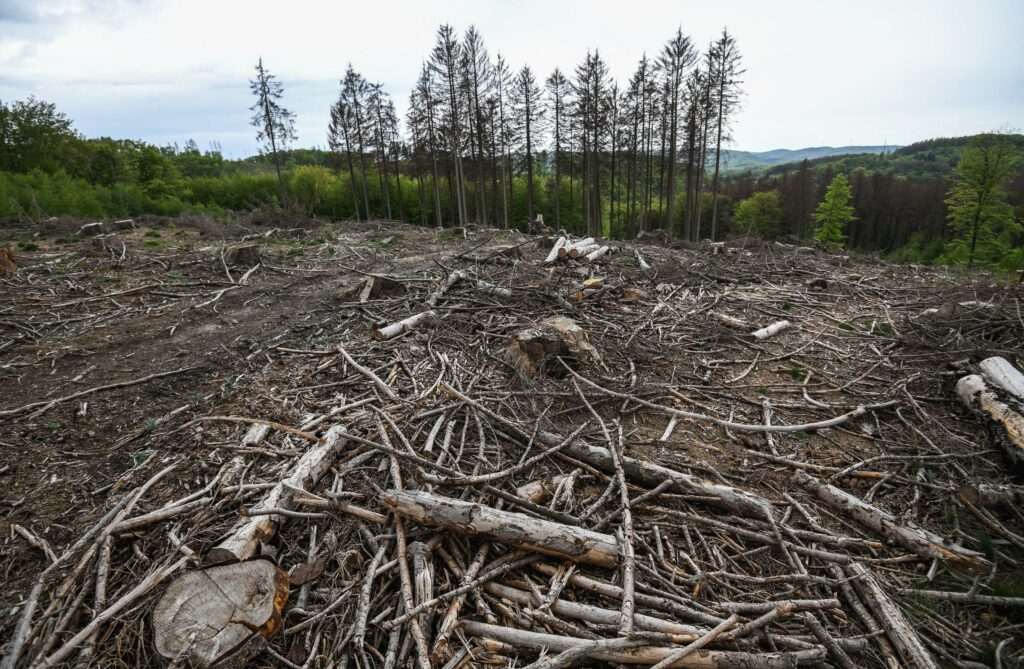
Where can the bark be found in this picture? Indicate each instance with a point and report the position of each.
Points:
(977, 396)
(924, 543)
(516, 529)
(896, 627)
(245, 538)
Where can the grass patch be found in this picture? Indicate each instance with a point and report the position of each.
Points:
(152, 233)
(28, 246)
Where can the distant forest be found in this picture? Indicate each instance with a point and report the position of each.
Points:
(485, 144)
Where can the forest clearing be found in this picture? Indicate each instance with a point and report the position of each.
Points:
(378, 444)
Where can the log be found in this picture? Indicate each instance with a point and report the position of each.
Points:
(977, 396)
(450, 281)
(992, 494)
(902, 635)
(516, 529)
(556, 250)
(211, 614)
(493, 289)
(541, 489)
(246, 536)
(597, 253)
(924, 543)
(647, 655)
(770, 331)
(405, 325)
(595, 614)
(1001, 374)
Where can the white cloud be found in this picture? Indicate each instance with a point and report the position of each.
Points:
(817, 72)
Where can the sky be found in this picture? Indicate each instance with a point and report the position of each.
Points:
(819, 73)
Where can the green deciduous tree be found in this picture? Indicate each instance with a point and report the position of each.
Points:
(834, 212)
(761, 213)
(979, 215)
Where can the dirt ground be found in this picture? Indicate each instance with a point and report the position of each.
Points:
(156, 325)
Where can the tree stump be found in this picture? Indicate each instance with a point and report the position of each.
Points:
(7, 264)
(536, 350)
(244, 256)
(220, 613)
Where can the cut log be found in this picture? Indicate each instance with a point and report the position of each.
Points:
(977, 396)
(536, 350)
(556, 249)
(245, 538)
(572, 249)
(213, 614)
(1004, 376)
(902, 635)
(597, 253)
(648, 655)
(730, 321)
(770, 331)
(924, 543)
(990, 494)
(405, 325)
(516, 529)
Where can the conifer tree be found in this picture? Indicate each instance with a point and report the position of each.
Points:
(834, 213)
(275, 125)
(978, 211)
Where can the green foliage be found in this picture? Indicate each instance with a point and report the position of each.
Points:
(982, 221)
(834, 213)
(761, 213)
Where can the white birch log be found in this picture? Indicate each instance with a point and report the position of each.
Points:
(640, 259)
(896, 627)
(770, 331)
(1001, 374)
(730, 321)
(246, 536)
(919, 540)
(516, 529)
(973, 392)
(450, 281)
(556, 249)
(597, 253)
(405, 325)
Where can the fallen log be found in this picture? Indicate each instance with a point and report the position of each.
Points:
(924, 543)
(405, 325)
(991, 494)
(647, 655)
(900, 633)
(516, 529)
(770, 330)
(978, 397)
(245, 538)
(556, 250)
(1001, 374)
(595, 614)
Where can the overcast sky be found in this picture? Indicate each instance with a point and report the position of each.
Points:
(818, 73)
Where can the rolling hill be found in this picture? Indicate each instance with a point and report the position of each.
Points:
(757, 161)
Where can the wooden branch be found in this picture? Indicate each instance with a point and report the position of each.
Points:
(405, 325)
(924, 543)
(1001, 374)
(516, 529)
(896, 627)
(245, 538)
(649, 655)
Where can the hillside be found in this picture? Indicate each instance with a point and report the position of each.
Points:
(755, 161)
(926, 159)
